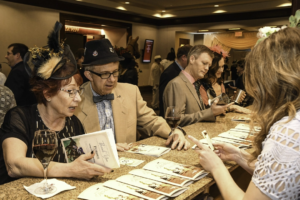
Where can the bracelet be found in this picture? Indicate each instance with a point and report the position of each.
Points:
(183, 131)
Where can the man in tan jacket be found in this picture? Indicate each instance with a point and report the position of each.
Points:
(183, 91)
(107, 104)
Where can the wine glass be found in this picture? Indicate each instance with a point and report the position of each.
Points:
(172, 117)
(44, 147)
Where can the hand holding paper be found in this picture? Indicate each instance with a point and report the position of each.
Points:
(207, 158)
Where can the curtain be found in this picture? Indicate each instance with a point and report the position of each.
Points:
(228, 40)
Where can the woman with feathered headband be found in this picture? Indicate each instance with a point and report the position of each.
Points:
(55, 83)
(212, 84)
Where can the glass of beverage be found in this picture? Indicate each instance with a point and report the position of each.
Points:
(172, 117)
(44, 147)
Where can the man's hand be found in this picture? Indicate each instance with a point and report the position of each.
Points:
(123, 146)
(217, 110)
(178, 139)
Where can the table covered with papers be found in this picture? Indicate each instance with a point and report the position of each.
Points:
(223, 129)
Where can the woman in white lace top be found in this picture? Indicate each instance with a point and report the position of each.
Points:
(272, 77)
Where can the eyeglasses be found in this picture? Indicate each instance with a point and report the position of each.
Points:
(8, 53)
(106, 75)
(72, 93)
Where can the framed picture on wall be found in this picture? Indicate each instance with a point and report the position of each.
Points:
(148, 49)
(183, 41)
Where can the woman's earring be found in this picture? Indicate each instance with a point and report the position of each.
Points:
(49, 100)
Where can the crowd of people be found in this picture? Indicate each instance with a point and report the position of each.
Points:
(46, 90)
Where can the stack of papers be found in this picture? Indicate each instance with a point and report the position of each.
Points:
(175, 169)
(241, 136)
(151, 185)
(148, 150)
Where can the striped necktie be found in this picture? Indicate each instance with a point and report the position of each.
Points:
(197, 87)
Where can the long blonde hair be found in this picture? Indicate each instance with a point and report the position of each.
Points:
(272, 77)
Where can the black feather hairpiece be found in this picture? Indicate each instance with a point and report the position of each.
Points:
(48, 61)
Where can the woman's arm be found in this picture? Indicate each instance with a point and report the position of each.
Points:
(228, 152)
(18, 165)
(228, 188)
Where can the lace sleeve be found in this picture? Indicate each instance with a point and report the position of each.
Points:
(277, 170)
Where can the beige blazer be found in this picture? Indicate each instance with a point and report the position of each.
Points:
(129, 111)
(181, 93)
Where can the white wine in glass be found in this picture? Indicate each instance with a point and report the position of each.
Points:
(172, 117)
(44, 147)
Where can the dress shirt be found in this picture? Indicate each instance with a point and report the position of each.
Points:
(105, 114)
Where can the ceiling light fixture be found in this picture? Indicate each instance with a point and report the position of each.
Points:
(127, 2)
(220, 11)
(285, 5)
(163, 15)
(163, 11)
(78, 0)
(234, 29)
(121, 8)
(203, 30)
(216, 5)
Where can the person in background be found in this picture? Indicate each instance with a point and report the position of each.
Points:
(233, 70)
(79, 56)
(155, 73)
(18, 79)
(55, 82)
(128, 73)
(169, 60)
(272, 77)
(226, 73)
(212, 83)
(239, 82)
(7, 101)
(107, 104)
(171, 72)
(183, 91)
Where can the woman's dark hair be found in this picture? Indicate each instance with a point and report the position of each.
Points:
(211, 74)
(51, 86)
(171, 55)
(241, 63)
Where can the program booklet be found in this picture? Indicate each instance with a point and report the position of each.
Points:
(165, 178)
(149, 150)
(136, 191)
(154, 186)
(102, 142)
(241, 119)
(97, 191)
(176, 169)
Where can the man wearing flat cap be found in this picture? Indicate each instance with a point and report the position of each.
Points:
(107, 104)
(155, 72)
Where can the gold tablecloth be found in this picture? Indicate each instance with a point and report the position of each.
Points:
(15, 190)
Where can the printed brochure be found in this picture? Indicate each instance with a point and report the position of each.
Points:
(173, 180)
(136, 191)
(154, 186)
(96, 192)
(176, 169)
(102, 142)
(149, 150)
